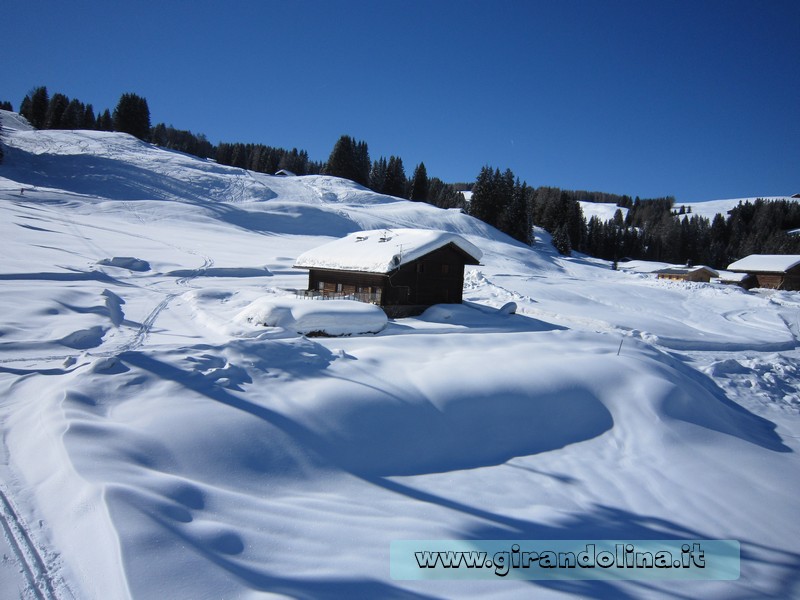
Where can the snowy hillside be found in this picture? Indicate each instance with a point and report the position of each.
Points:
(167, 433)
(711, 208)
(602, 210)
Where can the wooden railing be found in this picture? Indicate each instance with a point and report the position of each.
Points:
(370, 298)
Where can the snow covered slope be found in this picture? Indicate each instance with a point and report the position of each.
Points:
(602, 210)
(160, 443)
(708, 209)
(711, 208)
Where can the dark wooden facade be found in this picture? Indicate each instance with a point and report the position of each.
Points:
(435, 278)
(788, 280)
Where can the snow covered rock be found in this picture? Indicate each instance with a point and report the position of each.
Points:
(125, 262)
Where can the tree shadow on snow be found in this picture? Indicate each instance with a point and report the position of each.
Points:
(603, 522)
(295, 219)
(469, 317)
(118, 180)
(224, 549)
(305, 359)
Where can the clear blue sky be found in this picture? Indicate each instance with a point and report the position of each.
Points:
(697, 99)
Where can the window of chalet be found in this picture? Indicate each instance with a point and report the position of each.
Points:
(420, 267)
(445, 269)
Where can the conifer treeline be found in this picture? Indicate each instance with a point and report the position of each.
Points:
(350, 159)
(654, 230)
(499, 199)
(131, 115)
(264, 159)
(651, 230)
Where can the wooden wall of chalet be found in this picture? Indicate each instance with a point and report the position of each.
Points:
(780, 281)
(700, 275)
(437, 277)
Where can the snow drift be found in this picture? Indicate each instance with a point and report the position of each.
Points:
(167, 432)
(329, 317)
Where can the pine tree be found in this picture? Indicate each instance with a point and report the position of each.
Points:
(39, 102)
(362, 164)
(350, 160)
(73, 115)
(395, 184)
(158, 135)
(239, 156)
(503, 193)
(516, 218)
(342, 161)
(132, 116)
(377, 175)
(444, 195)
(561, 241)
(105, 122)
(89, 120)
(55, 112)
(25, 108)
(419, 184)
(6, 105)
(480, 206)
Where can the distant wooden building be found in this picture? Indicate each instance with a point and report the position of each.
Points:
(743, 280)
(776, 271)
(404, 271)
(699, 273)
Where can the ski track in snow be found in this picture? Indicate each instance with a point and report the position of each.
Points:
(37, 575)
(139, 337)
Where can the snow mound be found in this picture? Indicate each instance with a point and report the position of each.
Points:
(125, 262)
(331, 317)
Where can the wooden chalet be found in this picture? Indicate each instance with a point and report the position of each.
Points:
(743, 280)
(699, 273)
(404, 271)
(776, 271)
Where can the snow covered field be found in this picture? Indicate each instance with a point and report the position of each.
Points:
(167, 433)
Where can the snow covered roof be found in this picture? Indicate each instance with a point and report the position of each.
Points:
(766, 263)
(686, 270)
(730, 276)
(382, 250)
